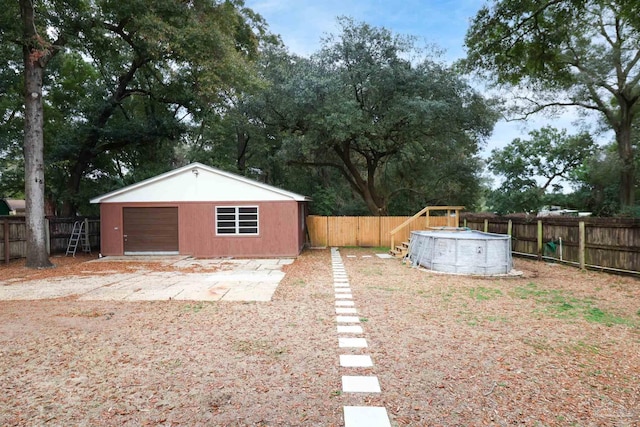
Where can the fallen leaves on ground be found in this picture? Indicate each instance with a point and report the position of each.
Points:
(555, 347)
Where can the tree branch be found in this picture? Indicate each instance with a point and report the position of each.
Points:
(539, 107)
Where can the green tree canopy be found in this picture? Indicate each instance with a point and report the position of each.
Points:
(566, 53)
(531, 167)
(131, 77)
(390, 124)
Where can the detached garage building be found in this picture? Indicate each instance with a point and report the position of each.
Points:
(204, 212)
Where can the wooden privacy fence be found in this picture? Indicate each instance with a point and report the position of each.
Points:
(13, 235)
(364, 230)
(604, 243)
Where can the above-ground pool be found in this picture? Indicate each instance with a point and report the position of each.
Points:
(461, 252)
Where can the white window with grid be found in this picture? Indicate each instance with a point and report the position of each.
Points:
(237, 220)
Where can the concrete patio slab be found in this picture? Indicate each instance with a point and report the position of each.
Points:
(234, 280)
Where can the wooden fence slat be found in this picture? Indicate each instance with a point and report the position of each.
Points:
(368, 231)
(342, 231)
(7, 254)
(364, 231)
(14, 240)
(608, 242)
(317, 226)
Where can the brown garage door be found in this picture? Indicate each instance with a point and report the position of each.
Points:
(150, 229)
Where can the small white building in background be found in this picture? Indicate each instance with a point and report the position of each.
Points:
(558, 211)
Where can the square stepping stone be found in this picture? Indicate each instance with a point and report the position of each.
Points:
(355, 361)
(350, 329)
(352, 343)
(366, 416)
(360, 384)
(384, 256)
(367, 256)
(342, 290)
(347, 319)
(344, 296)
(346, 310)
(345, 303)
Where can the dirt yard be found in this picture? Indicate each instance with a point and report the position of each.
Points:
(555, 347)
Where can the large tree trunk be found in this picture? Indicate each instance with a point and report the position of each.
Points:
(364, 187)
(627, 172)
(37, 256)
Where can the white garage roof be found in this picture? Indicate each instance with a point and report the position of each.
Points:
(198, 183)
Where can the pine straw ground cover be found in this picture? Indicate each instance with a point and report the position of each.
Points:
(555, 347)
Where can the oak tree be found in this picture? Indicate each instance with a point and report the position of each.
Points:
(566, 53)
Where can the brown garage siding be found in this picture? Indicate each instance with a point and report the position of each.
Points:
(279, 230)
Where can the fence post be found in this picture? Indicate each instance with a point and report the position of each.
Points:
(486, 225)
(7, 249)
(464, 222)
(581, 244)
(539, 240)
(509, 227)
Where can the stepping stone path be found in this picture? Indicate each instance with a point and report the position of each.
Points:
(350, 336)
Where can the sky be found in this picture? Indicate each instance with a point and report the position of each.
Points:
(443, 23)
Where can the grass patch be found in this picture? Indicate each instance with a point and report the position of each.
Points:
(194, 308)
(594, 314)
(484, 294)
(563, 305)
(372, 271)
(369, 248)
(584, 348)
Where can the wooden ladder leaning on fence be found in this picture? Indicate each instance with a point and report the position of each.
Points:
(79, 236)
